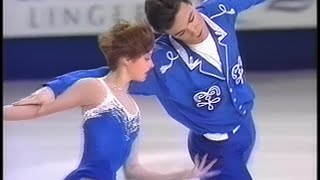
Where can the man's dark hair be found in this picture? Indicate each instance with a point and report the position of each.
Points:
(161, 13)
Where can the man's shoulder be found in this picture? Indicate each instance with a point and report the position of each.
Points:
(163, 51)
(163, 41)
(209, 4)
(215, 7)
(162, 44)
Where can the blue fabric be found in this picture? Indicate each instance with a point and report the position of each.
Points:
(232, 154)
(106, 147)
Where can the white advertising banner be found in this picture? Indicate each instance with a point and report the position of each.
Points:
(52, 18)
(280, 14)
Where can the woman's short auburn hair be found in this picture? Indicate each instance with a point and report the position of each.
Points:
(126, 40)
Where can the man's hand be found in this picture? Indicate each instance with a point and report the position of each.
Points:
(42, 96)
(200, 170)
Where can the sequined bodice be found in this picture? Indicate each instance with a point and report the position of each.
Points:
(109, 132)
(111, 106)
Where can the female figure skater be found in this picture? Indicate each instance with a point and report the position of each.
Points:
(111, 117)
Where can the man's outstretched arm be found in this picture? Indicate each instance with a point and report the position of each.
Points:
(58, 85)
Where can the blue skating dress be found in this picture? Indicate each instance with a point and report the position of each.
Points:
(109, 131)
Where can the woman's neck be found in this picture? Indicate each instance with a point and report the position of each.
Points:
(118, 80)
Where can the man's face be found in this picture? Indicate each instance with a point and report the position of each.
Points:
(188, 26)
